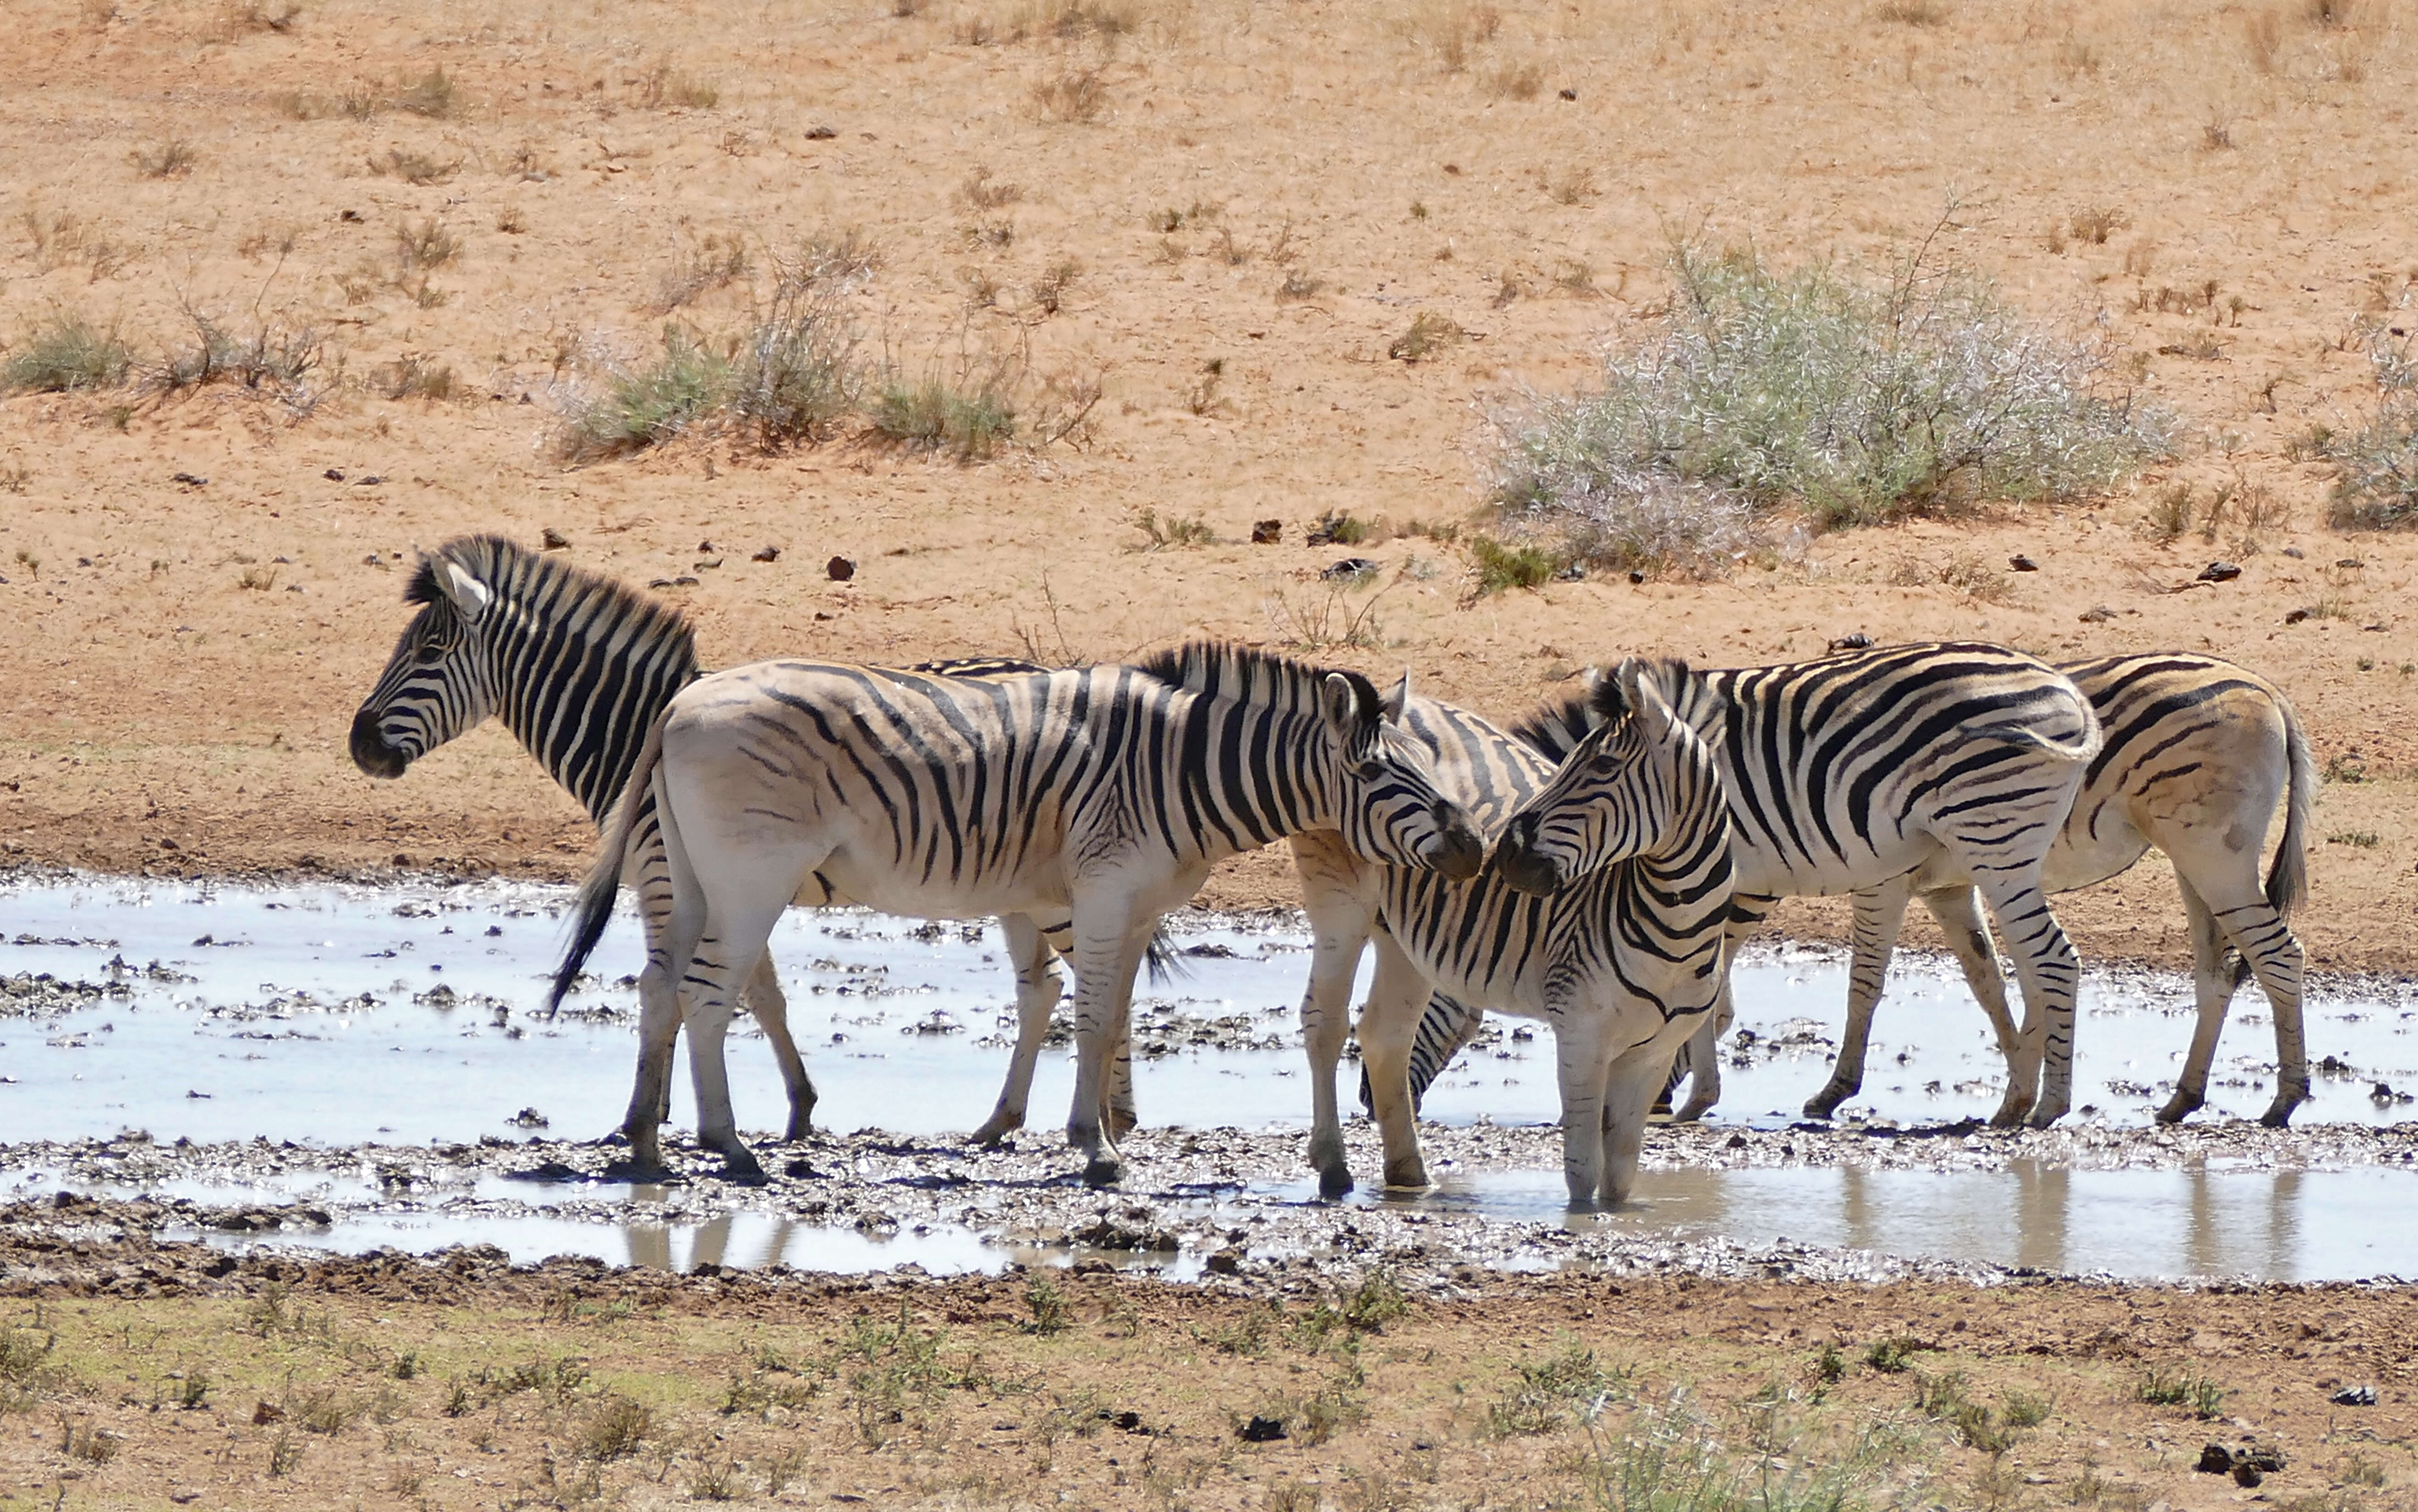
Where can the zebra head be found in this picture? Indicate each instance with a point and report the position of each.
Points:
(1619, 793)
(1388, 806)
(437, 684)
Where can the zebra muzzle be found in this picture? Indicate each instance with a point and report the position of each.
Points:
(1458, 850)
(370, 750)
(1522, 867)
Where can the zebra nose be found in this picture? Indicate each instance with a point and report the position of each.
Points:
(370, 750)
(1459, 850)
(1522, 868)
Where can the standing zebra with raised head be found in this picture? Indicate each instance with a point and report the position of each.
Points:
(579, 666)
(1622, 962)
(1108, 791)
(2199, 754)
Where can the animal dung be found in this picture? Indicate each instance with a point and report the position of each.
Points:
(839, 569)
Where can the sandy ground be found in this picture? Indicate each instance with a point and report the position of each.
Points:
(143, 1375)
(1518, 169)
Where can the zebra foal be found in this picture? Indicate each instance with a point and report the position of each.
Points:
(1108, 792)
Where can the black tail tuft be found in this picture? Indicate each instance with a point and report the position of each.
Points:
(1165, 961)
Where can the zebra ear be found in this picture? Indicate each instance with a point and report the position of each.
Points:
(470, 597)
(1644, 700)
(1399, 699)
(1339, 704)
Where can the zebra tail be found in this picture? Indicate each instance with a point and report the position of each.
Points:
(2287, 874)
(1165, 964)
(2079, 750)
(594, 908)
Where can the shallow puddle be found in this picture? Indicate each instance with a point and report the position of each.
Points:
(337, 1015)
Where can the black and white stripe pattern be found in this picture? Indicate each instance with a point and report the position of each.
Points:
(2199, 754)
(1623, 962)
(580, 666)
(1957, 761)
(1108, 791)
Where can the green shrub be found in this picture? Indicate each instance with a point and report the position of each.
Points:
(1501, 565)
(969, 418)
(1861, 401)
(644, 406)
(2376, 466)
(68, 353)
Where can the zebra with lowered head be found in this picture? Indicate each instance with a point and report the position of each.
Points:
(1623, 961)
(1108, 791)
(2199, 754)
(579, 666)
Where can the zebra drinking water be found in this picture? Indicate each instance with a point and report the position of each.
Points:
(1108, 791)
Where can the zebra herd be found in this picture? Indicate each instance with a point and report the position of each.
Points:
(1637, 832)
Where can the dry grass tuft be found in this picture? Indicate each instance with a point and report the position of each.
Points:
(1072, 95)
(2096, 224)
(1429, 334)
(1912, 12)
(2376, 466)
(171, 158)
(413, 167)
(664, 87)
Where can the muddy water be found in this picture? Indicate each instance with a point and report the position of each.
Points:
(336, 1017)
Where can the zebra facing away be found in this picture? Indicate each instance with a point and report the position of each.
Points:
(1108, 791)
(2198, 753)
(1623, 962)
(579, 666)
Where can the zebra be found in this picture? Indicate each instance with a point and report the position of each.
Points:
(1956, 759)
(2197, 753)
(1108, 791)
(1623, 962)
(579, 666)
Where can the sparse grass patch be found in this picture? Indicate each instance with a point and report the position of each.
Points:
(425, 246)
(664, 87)
(1072, 95)
(1518, 78)
(413, 167)
(413, 375)
(67, 353)
(1298, 287)
(799, 376)
(432, 95)
(2096, 224)
(1316, 618)
(1048, 1305)
(2202, 1396)
(615, 1427)
(968, 415)
(1552, 1393)
(1911, 12)
(171, 158)
(983, 193)
(274, 358)
(1892, 1355)
(2376, 466)
(641, 406)
(713, 261)
(1507, 565)
(1862, 401)
(1429, 334)
(1172, 533)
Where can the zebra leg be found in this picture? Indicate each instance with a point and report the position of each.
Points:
(1117, 1110)
(1038, 983)
(1339, 924)
(1108, 945)
(1631, 1085)
(650, 1097)
(1958, 910)
(2251, 926)
(1388, 1024)
(1582, 1065)
(772, 1010)
(1704, 1048)
(1880, 913)
(2048, 972)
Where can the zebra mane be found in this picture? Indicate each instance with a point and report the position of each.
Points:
(1558, 727)
(515, 574)
(1221, 668)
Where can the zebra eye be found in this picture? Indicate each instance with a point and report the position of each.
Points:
(433, 652)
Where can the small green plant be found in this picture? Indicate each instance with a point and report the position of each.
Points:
(1830, 1367)
(1337, 527)
(1893, 1355)
(285, 1453)
(1502, 565)
(2357, 839)
(2023, 1409)
(1943, 1398)
(1429, 334)
(171, 158)
(1552, 1393)
(458, 1399)
(1171, 532)
(67, 354)
(644, 406)
(194, 1390)
(1048, 1305)
(969, 417)
(2202, 1396)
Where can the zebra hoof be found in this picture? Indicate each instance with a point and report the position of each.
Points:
(994, 1132)
(1409, 1175)
(642, 1172)
(741, 1167)
(1334, 1181)
(2043, 1116)
(2279, 1115)
(2178, 1108)
(1104, 1170)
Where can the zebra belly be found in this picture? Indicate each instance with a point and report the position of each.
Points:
(890, 888)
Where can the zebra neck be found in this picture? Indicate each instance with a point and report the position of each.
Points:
(1247, 775)
(579, 686)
